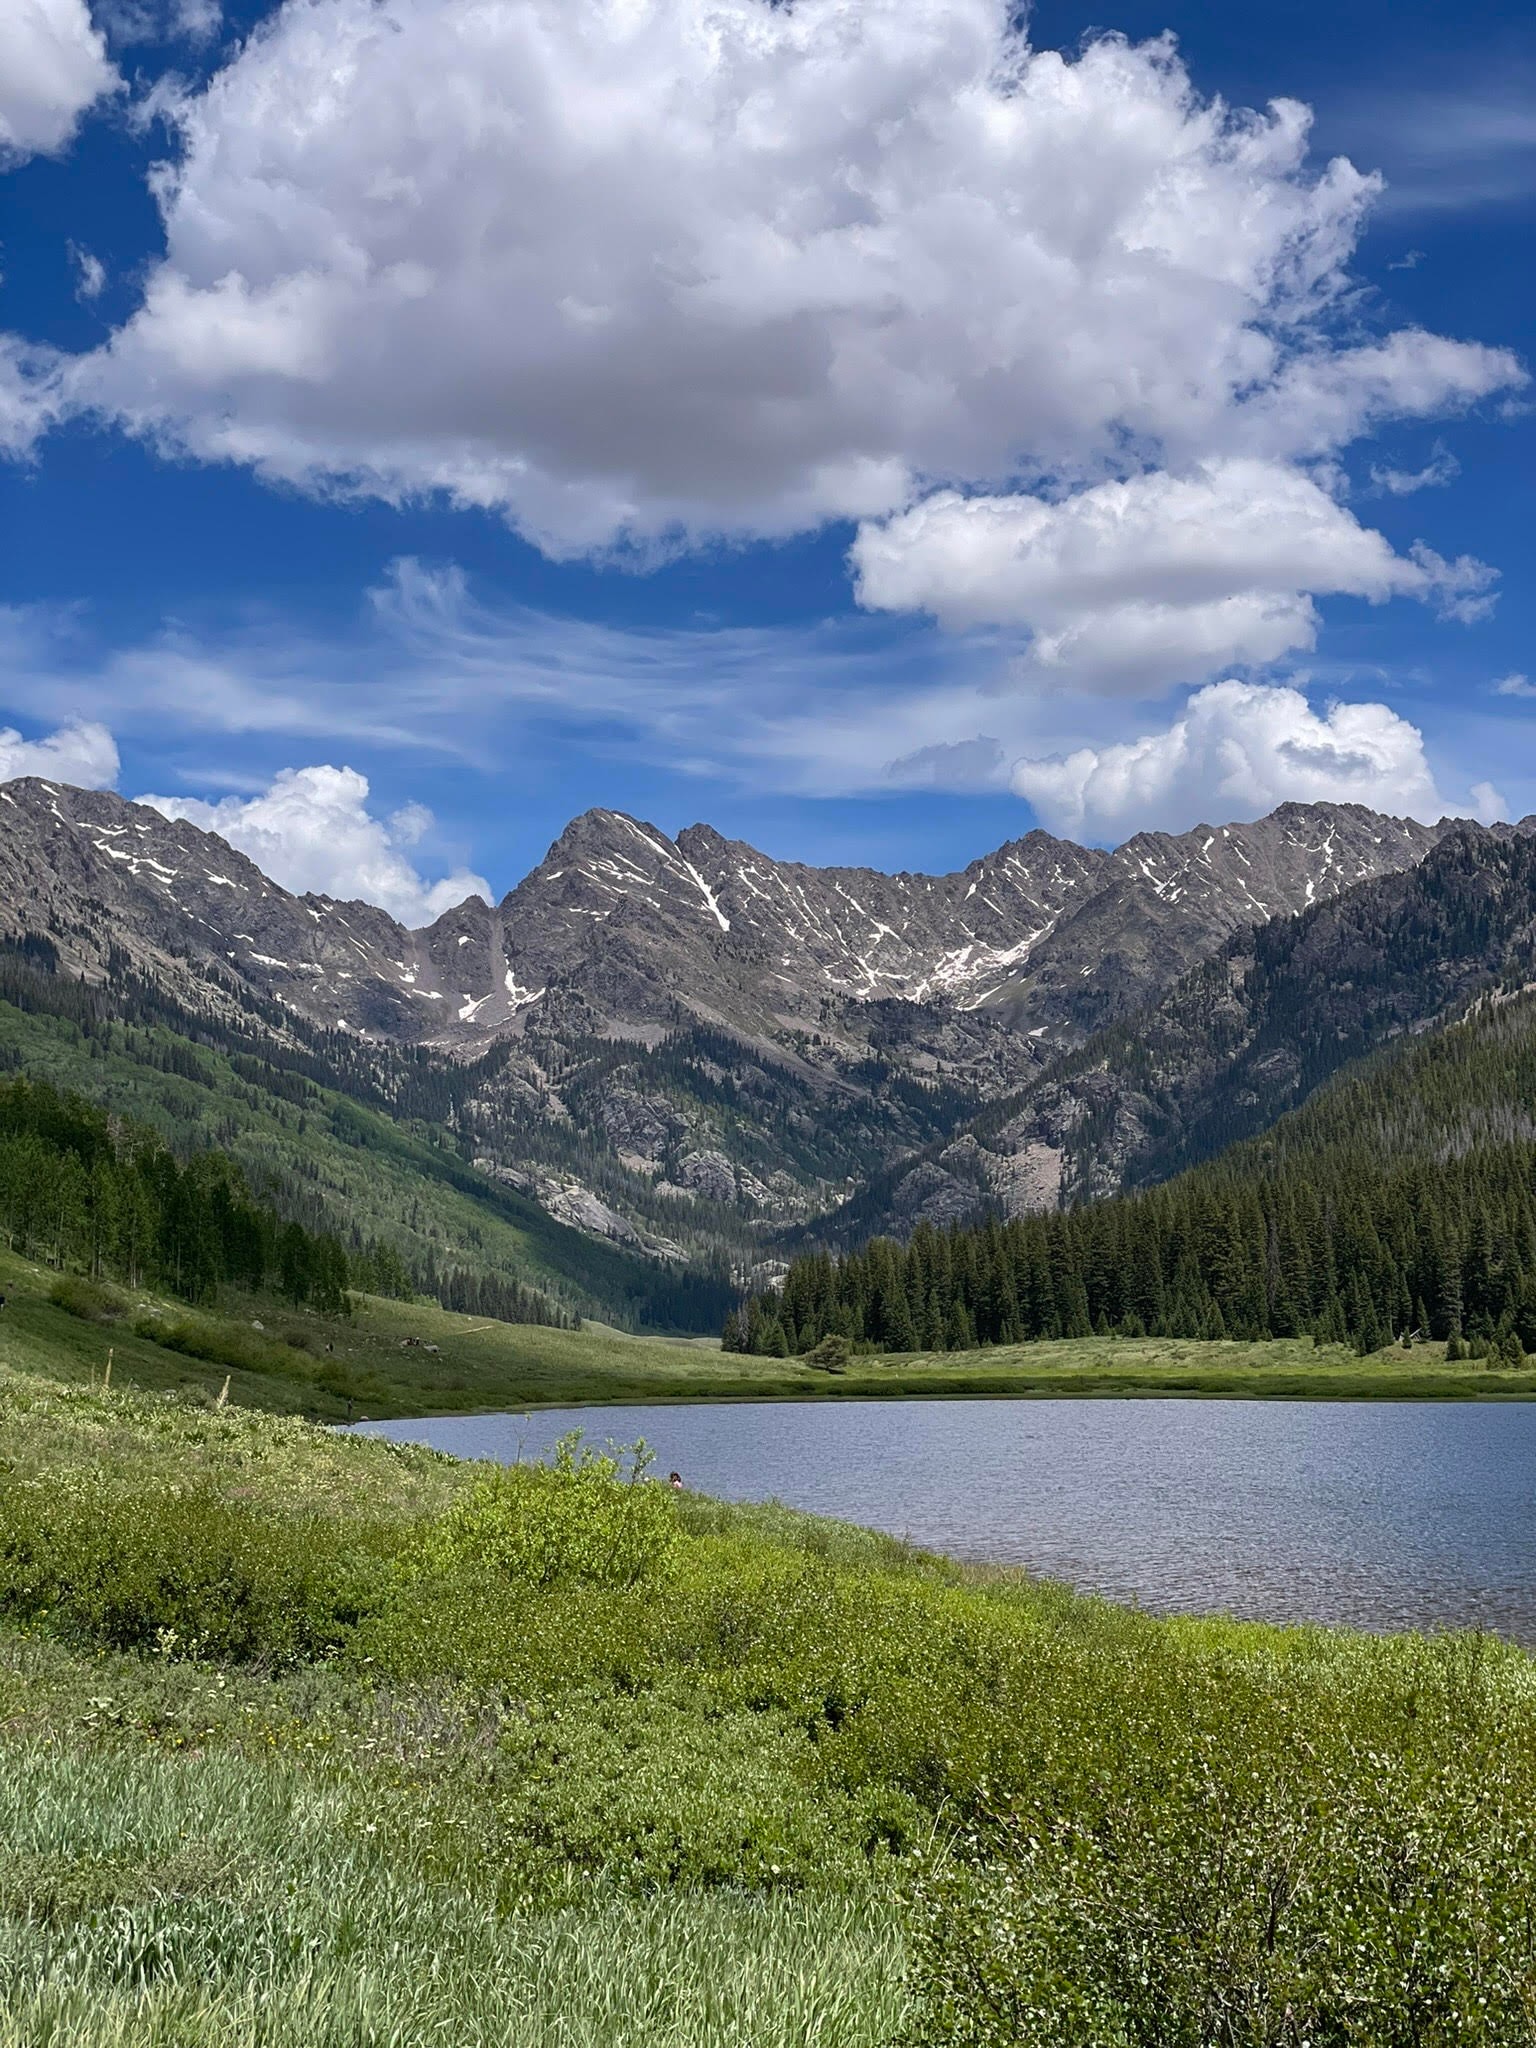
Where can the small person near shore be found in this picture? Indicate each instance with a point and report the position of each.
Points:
(675, 1481)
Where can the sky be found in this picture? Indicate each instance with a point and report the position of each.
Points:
(872, 427)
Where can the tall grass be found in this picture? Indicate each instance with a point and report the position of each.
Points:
(221, 1902)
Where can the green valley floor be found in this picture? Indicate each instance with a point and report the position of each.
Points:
(392, 1359)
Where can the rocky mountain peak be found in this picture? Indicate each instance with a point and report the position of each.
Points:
(1053, 936)
(697, 1021)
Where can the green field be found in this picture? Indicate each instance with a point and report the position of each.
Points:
(304, 1364)
(312, 1741)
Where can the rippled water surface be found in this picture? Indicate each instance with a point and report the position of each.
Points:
(1381, 1514)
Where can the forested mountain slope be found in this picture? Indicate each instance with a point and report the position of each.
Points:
(363, 1153)
(674, 1047)
(1400, 1198)
(1238, 1041)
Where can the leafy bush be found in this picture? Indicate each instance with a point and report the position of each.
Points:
(183, 1571)
(586, 1518)
(657, 1790)
(91, 1300)
(1248, 1864)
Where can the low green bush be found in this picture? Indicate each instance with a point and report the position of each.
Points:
(184, 1572)
(92, 1300)
(580, 1519)
(1249, 1859)
(245, 1350)
(659, 1789)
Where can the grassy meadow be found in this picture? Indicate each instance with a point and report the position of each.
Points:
(311, 1739)
(330, 1369)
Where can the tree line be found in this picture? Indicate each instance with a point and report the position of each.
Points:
(1339, 1246)
(274, 1052)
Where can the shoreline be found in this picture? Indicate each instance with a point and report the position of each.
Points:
(394, 1360)
(1444, 1389)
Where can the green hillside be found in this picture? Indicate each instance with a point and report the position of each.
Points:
(393, 1358)
(1399, 1201)
(330, 1160)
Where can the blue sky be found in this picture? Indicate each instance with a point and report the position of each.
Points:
(846, 424)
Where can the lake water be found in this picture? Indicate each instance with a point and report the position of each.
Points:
(1378, 1514)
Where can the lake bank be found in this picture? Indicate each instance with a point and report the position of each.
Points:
(279, 1705)
(1375, 1515)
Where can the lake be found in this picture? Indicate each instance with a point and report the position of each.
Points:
(1378, 1514)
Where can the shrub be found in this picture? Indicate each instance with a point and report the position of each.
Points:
(91, 1300)
(228, 1344)
(1253, 1865)
(832, 1353)
(586, 1518)
(184, 1571)
(658, 1790)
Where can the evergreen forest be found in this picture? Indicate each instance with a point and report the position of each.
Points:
(88, 1192)
(1401, 1201)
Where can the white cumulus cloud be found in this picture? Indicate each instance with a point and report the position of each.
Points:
(312, 831)
(1134, 586)
(53, 65)
(1236, 750)
(82, 752)
(629, 271)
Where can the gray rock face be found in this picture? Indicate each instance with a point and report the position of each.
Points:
(1167, 901)
(639, 926)
(1053, 938)
(785, 1030)
(642, 922)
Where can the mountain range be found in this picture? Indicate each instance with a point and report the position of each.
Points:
(698, 1053)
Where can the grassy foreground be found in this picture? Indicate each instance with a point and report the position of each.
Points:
(376, 1363)
(311, 1741)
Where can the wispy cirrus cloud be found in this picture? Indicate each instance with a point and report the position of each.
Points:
(428, 665)
(1442, 468)
(1469, 144)
(851, 706)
